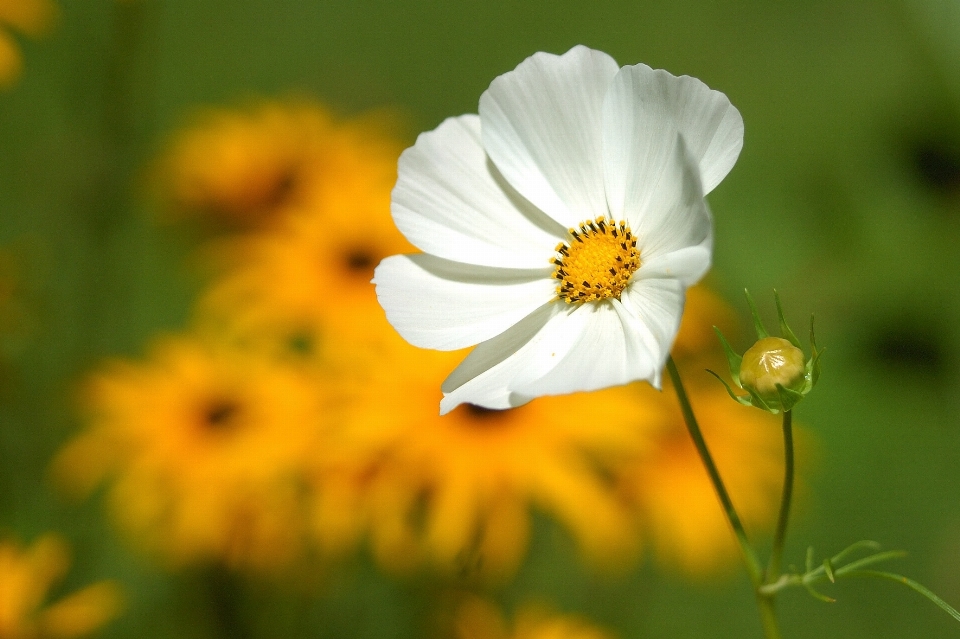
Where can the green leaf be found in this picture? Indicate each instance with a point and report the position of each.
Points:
(869, 561)
(815, 367)
(738, 398)
(784, 329)
(828, 568)
(759, 403)
(733, 360)
(757, 322)
(854, 547)
(809, 563)
(909, 583)
(814, 362)
(788, 398)
(818, 595)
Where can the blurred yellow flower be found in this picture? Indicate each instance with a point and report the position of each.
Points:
(672, 495)
(259, 165)
(206, 446)
(302, 280)
(26, 578)
(30, 17)
(243, 166)
(478, 619)
(309, 274)
(703, 310)
(455, 491)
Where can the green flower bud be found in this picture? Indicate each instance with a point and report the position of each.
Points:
(774, 371)
(769, 362)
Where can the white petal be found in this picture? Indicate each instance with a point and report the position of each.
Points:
(436, 303)
(687, 265)
(559, 349)
(541, 127)
(484, 378)
(658, 305)
(609, 348)
(656, 188)
(452, 202)
(711, 127)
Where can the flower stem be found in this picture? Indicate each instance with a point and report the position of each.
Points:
(754, 567)
(768, 616)
(749, 554)
(776, 556)
(225, 603)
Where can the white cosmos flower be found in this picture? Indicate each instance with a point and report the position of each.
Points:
(560, 227)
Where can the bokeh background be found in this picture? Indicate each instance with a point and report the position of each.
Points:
(846, 198)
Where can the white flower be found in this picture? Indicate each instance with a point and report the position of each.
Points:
(560, 228)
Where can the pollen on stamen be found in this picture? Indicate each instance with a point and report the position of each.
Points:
(597, 263)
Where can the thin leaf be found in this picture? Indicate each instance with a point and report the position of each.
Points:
(909, 583)
(757, 322)
(814, 355)
(788, 398)
(818, 595)
(868, 561)
(738, 398)
(828, 568)
(852, 548)
(784, 329)
(815, 367)
(759, 403)
(733, 360)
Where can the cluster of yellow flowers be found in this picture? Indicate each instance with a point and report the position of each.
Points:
(291, 421)
(478, 619)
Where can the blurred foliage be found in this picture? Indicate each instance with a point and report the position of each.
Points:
(846, 198)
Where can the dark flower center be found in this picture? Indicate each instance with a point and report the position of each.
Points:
(220, 415)
(485, 417)
(281, 190)
(360, 259)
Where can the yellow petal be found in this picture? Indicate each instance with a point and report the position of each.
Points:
(82, 612)
(506, 534)
(32, 17)
(11, 63)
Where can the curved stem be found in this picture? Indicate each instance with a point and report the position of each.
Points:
(776, 556)
(768, 618)
(749, 554)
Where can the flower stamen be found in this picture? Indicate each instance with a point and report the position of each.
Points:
(597, 263)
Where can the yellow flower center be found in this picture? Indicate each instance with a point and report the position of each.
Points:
(597, 262)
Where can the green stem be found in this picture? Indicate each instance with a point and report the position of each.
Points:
(776, 556)
(749, 554)
(225, 603)
(754, 567)
(768, 616)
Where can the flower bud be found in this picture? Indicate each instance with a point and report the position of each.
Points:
(772, 361)
(774, 371)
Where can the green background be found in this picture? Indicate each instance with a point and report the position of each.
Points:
(846, 198)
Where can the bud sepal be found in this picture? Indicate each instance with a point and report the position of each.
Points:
(775, 372)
